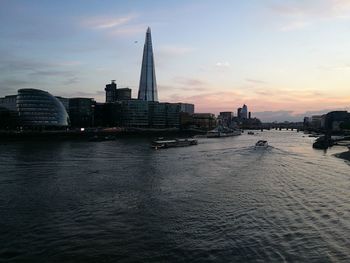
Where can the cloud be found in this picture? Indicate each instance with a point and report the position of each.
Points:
(223, 64)
(343, 67)
(128, 30)
(189, 81)
(172, 50)
(294, 25)
(302, 14)
(72, 80)
(185, 84)
(122, 26)
(255, 81)
(106, 22)
(31, 73)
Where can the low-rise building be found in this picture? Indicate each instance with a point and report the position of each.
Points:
(81, 112)
(206, 121)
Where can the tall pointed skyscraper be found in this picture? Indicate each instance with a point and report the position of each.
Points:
(148, 85)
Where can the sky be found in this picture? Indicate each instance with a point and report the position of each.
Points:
(283, 58)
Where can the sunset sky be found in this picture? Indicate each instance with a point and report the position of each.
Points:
(284, 59)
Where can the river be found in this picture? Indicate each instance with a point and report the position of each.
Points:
(220, 201)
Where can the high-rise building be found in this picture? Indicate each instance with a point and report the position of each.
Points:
(148, 84)
(225, 118)
(239, 113)
(244, 112)
(111, 92)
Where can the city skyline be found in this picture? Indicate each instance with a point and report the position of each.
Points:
(282, 58)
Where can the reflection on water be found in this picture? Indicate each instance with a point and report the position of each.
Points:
(219, 201)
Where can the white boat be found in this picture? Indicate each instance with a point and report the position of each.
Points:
(261, 144)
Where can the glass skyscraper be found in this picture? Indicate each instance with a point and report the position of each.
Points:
(148, 84)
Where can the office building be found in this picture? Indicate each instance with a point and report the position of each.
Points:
(135, 113)
(107, 114)
(81, 112)
(123, 94)
(186, 107)
(148, 84)
(239, 113)
(244, 112)
(38, 109)
(225, 118)
(8, 112)
(206, 121)
(111, 92)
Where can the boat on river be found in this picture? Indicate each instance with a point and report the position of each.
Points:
(220, 131)
(261, 144)
(163, 143)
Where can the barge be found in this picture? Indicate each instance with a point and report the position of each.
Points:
(163, 143)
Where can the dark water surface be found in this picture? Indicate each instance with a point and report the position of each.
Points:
(220, 201)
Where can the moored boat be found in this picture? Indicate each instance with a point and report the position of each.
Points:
(222, 132)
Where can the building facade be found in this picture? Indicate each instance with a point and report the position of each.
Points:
(81, 112)
(8, 112)
(38, 109)
(186, 107)
(123, 94)
(206, 121)
(111, 92)
(225, 118)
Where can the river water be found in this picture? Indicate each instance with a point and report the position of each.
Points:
(220, 201)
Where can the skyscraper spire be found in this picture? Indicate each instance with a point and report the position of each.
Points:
(148, 84)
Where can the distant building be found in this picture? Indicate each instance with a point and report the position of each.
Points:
(186, 107)
(148, 84)
(64, 101)
(111, 92)
(186, 120)
(148, 114)
(244, 112)
(107, 114)
(316, 121)
(9, 102)
(135, 113)
(225, 118)
(38, 109)
(239, 113)
(173, 115)
(81, 112)
(157, 114)
(334, 119)
(8, 112)
(204, 121)
(123, 94)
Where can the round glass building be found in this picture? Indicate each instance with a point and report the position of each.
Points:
(39, 109)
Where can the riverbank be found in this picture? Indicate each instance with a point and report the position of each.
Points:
(343, 155)
(87, 134)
